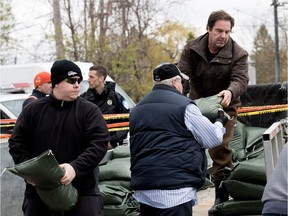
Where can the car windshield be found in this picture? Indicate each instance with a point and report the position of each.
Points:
(14, 106)
(84, 86)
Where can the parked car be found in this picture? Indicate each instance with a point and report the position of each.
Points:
(11, 105)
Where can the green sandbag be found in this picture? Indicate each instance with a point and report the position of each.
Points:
(116, 169)
(254, 147)
(121, 151)
(238, 143)
(209, 106)
(122, 183)
(254, 134)
(257, 152)
(252, 171)
(45, 172)
(118, 201)
(112, 194)
(247, 207)
(129, 207)
(243, 190)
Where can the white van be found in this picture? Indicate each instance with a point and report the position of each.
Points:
(13, 76)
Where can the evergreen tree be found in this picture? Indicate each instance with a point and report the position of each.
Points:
(263, 56)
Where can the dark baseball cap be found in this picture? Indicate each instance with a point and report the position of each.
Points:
(167, 71)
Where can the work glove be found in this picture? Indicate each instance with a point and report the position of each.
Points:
(222, 117)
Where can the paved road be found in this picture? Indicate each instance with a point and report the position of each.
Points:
(205, 201)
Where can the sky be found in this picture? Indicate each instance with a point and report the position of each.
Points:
(248, 15)
(32, 18)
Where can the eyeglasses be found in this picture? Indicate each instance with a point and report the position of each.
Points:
(72, 80)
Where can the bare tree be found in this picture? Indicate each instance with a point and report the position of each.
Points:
(60, 51)
(7, 24)
(72, 28)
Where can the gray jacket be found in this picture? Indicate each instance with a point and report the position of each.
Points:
(275, 196)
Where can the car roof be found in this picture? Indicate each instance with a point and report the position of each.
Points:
(10, 97)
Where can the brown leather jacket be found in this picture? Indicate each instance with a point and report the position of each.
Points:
(228, 70)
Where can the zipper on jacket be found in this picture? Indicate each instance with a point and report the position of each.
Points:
(62, 103)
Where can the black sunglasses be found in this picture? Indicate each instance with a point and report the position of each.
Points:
(72, 80)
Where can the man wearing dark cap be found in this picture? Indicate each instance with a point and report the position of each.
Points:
(168, 137)
(74, 129)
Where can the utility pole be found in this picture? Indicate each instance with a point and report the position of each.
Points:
(277, 57)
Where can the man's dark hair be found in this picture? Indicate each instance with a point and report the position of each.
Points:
(219, 15)
(101, 71)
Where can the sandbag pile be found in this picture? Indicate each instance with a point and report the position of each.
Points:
(114, 185)
(247, 142)
(245, 185)
(246, 181)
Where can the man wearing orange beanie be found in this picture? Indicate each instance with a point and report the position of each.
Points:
(43, 87)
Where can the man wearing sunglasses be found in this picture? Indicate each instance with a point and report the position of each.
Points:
(76, 132)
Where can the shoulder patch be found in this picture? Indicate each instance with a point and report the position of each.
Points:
(125, 104)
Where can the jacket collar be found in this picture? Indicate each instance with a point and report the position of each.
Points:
(165, 87)
(201, 44)
(38, 93)
(60, 103)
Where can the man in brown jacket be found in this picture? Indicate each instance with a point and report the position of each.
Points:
(216, 64)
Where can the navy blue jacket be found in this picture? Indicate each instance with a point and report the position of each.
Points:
(34, 96)
(164, 154)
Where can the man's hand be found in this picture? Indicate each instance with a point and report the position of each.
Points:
(69, 174)
(222, 117)
(110, 146)
(227, 97)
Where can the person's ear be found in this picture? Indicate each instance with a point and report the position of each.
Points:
(174, 83)
(102, 78)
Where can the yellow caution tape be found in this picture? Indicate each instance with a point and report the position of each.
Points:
(9, 125)
(118, 129)
(116, 116)
(263, 112)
